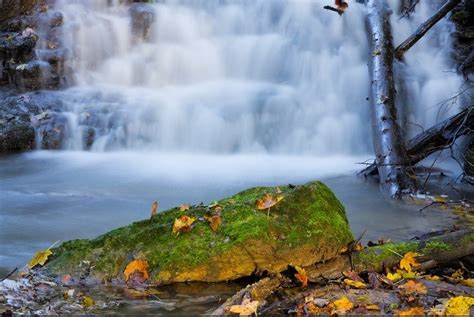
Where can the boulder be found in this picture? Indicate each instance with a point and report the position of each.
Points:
(308, 225)
(142, 16)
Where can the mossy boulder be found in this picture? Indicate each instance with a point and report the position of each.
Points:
(309, 225)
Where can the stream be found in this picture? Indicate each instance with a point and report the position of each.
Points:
(221, 96)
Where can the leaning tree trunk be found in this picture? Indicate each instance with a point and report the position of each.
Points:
(391, 155)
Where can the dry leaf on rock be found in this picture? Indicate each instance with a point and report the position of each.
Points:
(214, 222)
(268, 201)
(355, 284)
(39, 258)
(154, 209)
(136, 269)
(183, 224)
(301, 276)
(184, 207)
(408, 261)
(247, 308)
(459, 305)
(415, 311)
(342, 305)
(412, 287)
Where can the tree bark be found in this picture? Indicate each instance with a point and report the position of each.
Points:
(391, 155)
(425, 27)
(435, 139)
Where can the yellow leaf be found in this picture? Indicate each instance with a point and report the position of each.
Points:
(184, 207)
(468, 282)
(342, 305)
(154, 208)
(87, 302)
(247, 308)
(459, 305)
(408, 261)
(183, 224)
(268, 201)
(355, 284)
(458, 274)
(412, 287)
(39, 258)
(301, 276)
(140, 266)
(408, 275)
(433, 278)
(394, 277)
(415, 311)
(214, 222)
(372, 307)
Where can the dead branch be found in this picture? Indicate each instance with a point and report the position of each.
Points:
(437, 138)
(340, 12)
(425, 27)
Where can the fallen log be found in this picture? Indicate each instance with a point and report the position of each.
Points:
(425, 27)
(435, 139)
(435, 251)
(391, 155)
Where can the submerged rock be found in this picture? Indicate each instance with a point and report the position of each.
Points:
(309, 225)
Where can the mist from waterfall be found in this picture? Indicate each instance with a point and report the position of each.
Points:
(240, 76)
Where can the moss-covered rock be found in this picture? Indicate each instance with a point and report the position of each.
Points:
(309, 225)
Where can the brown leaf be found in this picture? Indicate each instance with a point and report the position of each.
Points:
(268, 201)
(214, 222)
(415, 311)
(412, 287)
(353, 276)
(154, 208)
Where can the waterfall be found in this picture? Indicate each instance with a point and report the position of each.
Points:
(240, 76)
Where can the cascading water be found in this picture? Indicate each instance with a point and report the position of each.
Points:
(239, 76)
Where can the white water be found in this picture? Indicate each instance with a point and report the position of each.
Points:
(240, 76)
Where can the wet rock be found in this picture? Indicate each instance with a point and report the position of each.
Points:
(28, 117)
(142, 16)
(469, 162)
(310, 218)
(16, 47)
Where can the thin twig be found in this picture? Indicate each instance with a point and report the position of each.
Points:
(9, 274)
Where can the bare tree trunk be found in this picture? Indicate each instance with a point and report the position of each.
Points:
(391, 155)
(436, 138)
(425, 27)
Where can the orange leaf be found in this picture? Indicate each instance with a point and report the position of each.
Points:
(409, 261)
(415, 311)
(183, 224)
(301, 276)
(412, 287)
(137, 267)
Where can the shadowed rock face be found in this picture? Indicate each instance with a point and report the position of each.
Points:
(309, 225)
(28, 119)
(13, 8)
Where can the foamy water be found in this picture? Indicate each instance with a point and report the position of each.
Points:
(241, 76)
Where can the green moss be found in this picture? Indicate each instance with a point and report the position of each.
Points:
(374, 257)
(308, 215)
(435, 246)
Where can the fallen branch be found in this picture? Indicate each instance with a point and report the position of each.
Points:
(453, 246)
(425, 27)
(436, 138)
(435, 250)
(389, 146)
